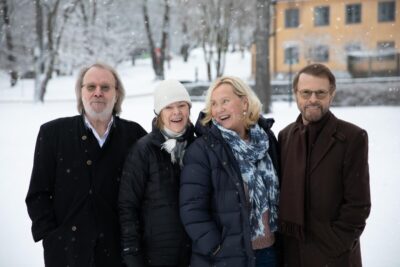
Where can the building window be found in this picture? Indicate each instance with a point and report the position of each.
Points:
(386, 50)
(386, 11)
(353, 13)
(321, 16)
(386, 45)
(291, 55)
(319, 53)
(351, 47)
(292, 18)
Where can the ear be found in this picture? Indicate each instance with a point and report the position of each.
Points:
(294, 94)
(245, 103)
(332, 96)
(116, 96)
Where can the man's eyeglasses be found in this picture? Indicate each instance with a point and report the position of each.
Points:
(319, 94)
(103, 87)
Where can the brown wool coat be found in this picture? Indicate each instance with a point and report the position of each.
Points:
(337, 198)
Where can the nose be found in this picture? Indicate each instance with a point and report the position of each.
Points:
(176, 110)
(313, 97)
(218, 108)
(98, 92)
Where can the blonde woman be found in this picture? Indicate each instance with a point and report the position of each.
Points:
(229, 184)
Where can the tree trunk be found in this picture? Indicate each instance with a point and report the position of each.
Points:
(222, 40)
(164, 40)
(185, 45)
(38, 52)
(263, 86)
(9, 43)
(51, 17)
(53, 43)
(157, 53)
(216, 24)
(222, 48)
(87, 25)
(146, 20)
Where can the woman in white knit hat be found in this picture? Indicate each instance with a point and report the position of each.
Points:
(151, 231)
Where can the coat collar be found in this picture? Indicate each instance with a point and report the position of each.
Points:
(201, 129)
(324, 142)
(158, 138)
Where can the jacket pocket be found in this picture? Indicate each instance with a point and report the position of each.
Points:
(52, 238)
(231, 246)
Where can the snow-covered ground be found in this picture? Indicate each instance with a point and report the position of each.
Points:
(20, 120)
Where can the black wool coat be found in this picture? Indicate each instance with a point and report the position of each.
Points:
(213, 202)
(72, 197)
(152, 233)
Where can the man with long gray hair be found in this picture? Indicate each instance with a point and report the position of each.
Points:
(72, 197)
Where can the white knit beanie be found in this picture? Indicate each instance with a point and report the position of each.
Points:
(168, 92)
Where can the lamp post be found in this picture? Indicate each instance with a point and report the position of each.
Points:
(290, 61)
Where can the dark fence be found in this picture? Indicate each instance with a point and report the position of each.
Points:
(349, 92)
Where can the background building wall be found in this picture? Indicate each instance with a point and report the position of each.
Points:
(339, 36)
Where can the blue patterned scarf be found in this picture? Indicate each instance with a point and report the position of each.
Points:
(259, 175)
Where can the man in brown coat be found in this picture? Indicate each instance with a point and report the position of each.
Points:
(325, 195)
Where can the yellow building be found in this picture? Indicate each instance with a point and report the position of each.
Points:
(352, 37)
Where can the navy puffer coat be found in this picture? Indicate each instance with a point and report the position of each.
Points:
(213, 202)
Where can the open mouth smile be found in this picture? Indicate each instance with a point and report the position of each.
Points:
(223, 117)
(178, 120)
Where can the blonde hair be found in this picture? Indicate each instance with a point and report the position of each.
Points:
(241, 90)
(118, 86)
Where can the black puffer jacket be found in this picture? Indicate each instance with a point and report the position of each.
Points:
(212, 200)
(152, 233)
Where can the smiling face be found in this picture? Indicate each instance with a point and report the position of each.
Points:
(98, 93)
(227, 108)
(175, 116)
(314, 97)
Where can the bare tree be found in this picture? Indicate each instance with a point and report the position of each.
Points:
(58, 36)
(45, 57)
(185, 27)
(157, 52)
(185, 47)
(106, 31)
(216, 24)
(244, 25)
(5, 11)
(263, 86)
(89, 19)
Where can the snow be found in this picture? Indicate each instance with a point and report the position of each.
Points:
(21, 119)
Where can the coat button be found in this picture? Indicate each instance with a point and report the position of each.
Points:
(89, 162)
(84, 137)
(73, 228)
